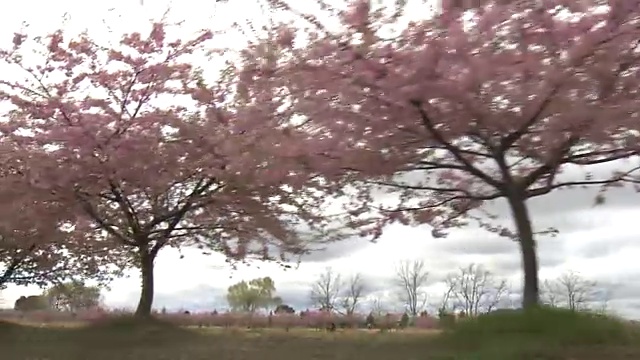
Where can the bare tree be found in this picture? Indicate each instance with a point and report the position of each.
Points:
(475, 290)
(325, 291)
(445, 303)
(378, 307)
(603, 295)
(411, 277)
(353, 293)
(549, 291)
(572, 291)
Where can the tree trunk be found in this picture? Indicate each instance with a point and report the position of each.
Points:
(531, 293)
(146, 293)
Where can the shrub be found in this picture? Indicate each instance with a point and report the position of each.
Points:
(404, 321)
(31, 303)
(370, 321)
(550, 326)
(426, 322)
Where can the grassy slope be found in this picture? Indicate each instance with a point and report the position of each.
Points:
(544, 334)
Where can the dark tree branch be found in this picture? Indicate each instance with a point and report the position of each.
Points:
(126, 207)
(543, 190)
(434, 188)
(552, 165)
(468, 166)
(103, 224)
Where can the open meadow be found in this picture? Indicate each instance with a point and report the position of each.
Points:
(539, 334)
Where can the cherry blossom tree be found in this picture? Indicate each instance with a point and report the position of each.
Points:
(148, 155)
(451, 112)
(37, 245)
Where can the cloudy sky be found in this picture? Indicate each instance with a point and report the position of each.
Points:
(600, 243)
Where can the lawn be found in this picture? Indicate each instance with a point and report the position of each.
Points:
(541, 335)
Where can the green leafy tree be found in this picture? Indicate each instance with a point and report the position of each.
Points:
(72, 296)
(31, 303)
(253, 295)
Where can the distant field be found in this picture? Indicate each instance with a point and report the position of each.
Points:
(556, 335)
(69, 324)
(281, 321)
(74, 342)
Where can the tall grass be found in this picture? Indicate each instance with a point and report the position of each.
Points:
(511, 333)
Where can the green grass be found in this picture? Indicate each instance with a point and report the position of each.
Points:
(539, 334)
(544, 333)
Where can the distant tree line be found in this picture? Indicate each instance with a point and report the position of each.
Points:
(470, 291)
(70, 297)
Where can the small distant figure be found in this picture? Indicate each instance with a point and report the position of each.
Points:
(370, 321)
(332, 327)
(187, 312)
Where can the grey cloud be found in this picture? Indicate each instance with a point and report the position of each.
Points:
(557, 208)
(625, 288)
(477, 242)
(499, 254)
(551, 253)
(629, 309)
(571, 199)
(295, 295)
(511, 265)
(608, 245)
(566, 209)
(200, 298)
(377, 284)
(336, 250)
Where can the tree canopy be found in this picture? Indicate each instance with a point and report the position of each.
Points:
(31, 303)
(144, 154)
(73, 296)
(448, 113)
(253, 295)
(38, 244)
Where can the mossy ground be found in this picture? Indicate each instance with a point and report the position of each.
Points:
(537, 334)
